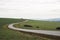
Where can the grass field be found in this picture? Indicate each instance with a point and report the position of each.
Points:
(7, 34)
(42, 25)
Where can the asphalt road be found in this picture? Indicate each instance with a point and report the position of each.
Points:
(46, 32)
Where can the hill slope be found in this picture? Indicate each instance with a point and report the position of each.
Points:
(55, 19)
(7, 34)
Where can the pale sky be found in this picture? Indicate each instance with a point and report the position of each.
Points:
(31, 9)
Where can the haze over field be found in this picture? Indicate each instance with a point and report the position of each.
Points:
(31, 9)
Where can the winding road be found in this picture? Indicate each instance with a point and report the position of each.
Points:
(50, 34)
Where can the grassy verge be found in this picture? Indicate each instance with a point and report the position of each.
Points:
(40, 25)
(7, 34)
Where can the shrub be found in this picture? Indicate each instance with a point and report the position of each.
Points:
(27, 26)
(37, 27)
(58, 28)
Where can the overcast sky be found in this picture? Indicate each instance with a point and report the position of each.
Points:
(31, 9)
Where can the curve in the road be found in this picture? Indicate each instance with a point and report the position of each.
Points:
(52, 34)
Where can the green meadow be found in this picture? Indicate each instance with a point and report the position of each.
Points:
(39, 24)
(8, 34)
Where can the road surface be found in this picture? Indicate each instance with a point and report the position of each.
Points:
(46, 32)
